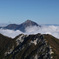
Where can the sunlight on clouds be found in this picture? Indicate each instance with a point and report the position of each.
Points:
(53, 30)
(10, 33)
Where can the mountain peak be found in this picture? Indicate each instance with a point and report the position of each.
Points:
(30, 23)
(22, 26)
(28, 20)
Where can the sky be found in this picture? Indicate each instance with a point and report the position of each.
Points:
(40, 11)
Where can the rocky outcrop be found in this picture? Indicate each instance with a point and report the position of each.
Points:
(30, 47)
(6, 45)
(38, 46)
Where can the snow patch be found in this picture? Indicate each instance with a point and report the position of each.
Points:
(35, 41)
(20, 39)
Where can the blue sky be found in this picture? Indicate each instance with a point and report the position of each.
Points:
(40, 11)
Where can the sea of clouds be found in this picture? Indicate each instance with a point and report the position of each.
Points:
(53, 30)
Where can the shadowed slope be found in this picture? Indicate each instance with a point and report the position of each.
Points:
(54, 43)
(5, 45)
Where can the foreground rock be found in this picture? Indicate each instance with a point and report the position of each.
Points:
(29, 47)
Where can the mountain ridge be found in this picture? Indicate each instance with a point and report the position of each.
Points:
(29, 46)
(21, 26)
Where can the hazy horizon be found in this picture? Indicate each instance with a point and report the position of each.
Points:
(40, 11)
(52, 30)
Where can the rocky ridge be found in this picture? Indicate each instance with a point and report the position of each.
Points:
(30, 47)
(34, 46)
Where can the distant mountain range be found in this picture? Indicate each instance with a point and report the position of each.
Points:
(52, 24)
(22, 26)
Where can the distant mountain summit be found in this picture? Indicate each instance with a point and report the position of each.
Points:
(30, 23)
(22, 26)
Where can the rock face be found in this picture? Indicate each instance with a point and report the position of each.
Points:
(38, 46)
(6, 46)
(22, 26)
(54, 45)
(30, 47)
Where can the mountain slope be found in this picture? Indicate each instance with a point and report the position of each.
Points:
(5, 45)
(25, 24)
(30, 47)
(22, 26)
(12, 26)
(54, 43)
(35, 46)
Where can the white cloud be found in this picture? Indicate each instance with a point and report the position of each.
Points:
(53, 30)
(10, 33)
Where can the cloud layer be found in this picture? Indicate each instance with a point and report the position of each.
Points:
(53, 30)
(10, 33)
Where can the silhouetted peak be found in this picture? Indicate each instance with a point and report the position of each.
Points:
(22, 26)
(28, 21)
